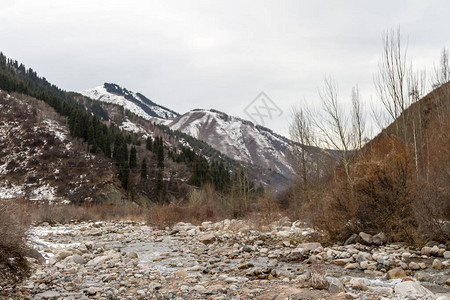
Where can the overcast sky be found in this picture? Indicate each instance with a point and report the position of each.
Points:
(218, 54)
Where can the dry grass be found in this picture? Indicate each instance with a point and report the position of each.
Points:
(63, 214)
(13, 248)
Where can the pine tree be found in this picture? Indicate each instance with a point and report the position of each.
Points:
(149, 143)
(160, 156)
(144, 169)
(133, 159)
(159, 185)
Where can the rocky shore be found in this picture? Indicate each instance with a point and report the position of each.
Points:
(231, 259)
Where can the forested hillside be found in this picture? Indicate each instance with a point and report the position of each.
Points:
(157, 168)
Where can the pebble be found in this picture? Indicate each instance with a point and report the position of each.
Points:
(224, 260)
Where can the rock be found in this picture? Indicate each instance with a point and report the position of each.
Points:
(231, 280)
(446, 254)
(341, 261)
(351, 266)
(48, 295)
(383, 291)
(414, 266)
(62, 254)
(98, 261)
(434, 250)
(335, 286)
(422, 276)
(357, 284)
(309, 246)
(443, 298)
(181, 273)
(154, 286)
(351, 240)
(406, 255)
(431, 244)
(54, 259)
(395, 274)
(379, 239)
(363, 256)
(77, 259)
(33, 253)
(426, 251)
(411, 289)
(283, 234)
(93, 290)
(447, 282)
(437, 264)
(365, 239)
(208, 238)
(403, 265)
(132, 255)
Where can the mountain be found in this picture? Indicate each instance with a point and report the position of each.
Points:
(239, 139)
(264, 152)
(134, 102)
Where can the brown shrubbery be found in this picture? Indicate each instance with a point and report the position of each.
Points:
(13, 233)
(385, 195)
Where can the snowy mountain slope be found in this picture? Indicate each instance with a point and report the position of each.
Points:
(39, 161)
(259, 148)
(134, 102)
(239, 139)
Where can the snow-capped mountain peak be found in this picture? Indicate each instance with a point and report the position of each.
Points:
(134, 102)
(239, 139)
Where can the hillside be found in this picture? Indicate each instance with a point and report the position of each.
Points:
(237, 141)
(156, 167)
(425, 128)
(40, 161)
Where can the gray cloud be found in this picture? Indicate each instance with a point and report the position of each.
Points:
(217, 54)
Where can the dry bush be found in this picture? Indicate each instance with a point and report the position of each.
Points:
(318, 279)
(203, 204)
(13, 248)
(63, 214)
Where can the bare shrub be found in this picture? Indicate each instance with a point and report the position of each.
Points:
(13, 248)
(318, 280)
(63, 214)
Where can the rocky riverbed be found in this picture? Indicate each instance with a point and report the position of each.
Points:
(231, 259)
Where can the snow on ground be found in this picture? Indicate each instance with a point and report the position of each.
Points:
(130, 126)
(101, 94)
(46, 248)
(11, 191)
(54, 127)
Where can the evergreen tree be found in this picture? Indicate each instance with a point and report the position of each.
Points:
(133, 159)
(159, 185)
(160, 155)
(144, 169)
(149, 143)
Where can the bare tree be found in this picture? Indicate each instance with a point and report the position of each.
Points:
(441, 74)
(391, 81)
(339, 131)
(300, 131)
(358, 120)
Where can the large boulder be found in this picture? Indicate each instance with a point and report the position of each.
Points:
(395, 274)
(379, 239)
(335, 286)
(351, 240)
(208, 238)
(33, 253)
(365, 239)
(437, 264)
(411, 289)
